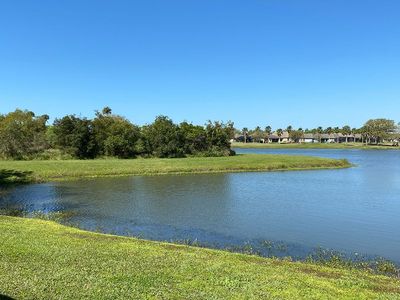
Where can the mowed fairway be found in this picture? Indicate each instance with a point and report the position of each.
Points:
(44, 260)
(51, 170)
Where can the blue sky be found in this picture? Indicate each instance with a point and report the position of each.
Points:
(273, 62)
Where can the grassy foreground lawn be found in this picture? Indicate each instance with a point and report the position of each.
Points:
(44, 260)
(315, 146)
(51, 170)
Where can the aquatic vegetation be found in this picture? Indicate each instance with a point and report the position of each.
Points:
(41, 259)
(336, 259)
(10, 176)
(319, 256)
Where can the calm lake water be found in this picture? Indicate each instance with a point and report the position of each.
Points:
(350, 210)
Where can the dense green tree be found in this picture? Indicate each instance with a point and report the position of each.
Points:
(114, 135)
(74, 136)
(396, 135)
(378, 129)
(296, 135)
(50, 136)
(101, 129)
(22, 134)
(163, 138)
(257, 134)
(195, 139)
(218, 138)
(122, 139)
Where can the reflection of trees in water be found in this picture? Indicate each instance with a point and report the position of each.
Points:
(30, 199)
(187, 200)
(184, 196)
(14, 212)
(57, 216)
(4, 297)
(14, 176)
(100, 198)
(147, 199)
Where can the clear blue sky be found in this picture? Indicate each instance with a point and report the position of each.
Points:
(260, 62)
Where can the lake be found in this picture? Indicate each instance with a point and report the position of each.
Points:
(279, 213)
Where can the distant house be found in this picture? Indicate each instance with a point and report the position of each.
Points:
(285, 137)
(240, 138)
(349, 138)
(272, 138)
(275, 138)
(307, 138)
(331, 138)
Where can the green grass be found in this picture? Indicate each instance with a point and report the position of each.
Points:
(314, 146)
(45, 260)
(54, 170)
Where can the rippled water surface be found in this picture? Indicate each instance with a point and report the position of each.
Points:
(352, 210)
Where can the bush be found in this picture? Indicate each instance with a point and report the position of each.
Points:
(52, 154)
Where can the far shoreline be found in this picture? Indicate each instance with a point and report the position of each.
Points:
(337, 146)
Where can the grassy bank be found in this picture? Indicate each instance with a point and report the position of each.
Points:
(315, 146)
(52, 170)
(44, 260)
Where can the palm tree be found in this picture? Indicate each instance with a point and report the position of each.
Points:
(279, 132)
(107, 110)
(245, 131)
(289, 130)
(329, 130)
(257, 133)
(346, 130)
(268, 130)
(320, 130)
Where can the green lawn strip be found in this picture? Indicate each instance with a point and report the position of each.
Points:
(314, 146)
(45, 260)
(55, 170)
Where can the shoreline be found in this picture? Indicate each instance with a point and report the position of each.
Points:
(341, 146)
(36, 171)
(45, 249)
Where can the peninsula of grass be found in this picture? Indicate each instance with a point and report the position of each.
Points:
(45, 260)
(56, 170)
(314, 146)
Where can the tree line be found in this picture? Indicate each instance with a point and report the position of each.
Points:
(25, 135)
(374, 131)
